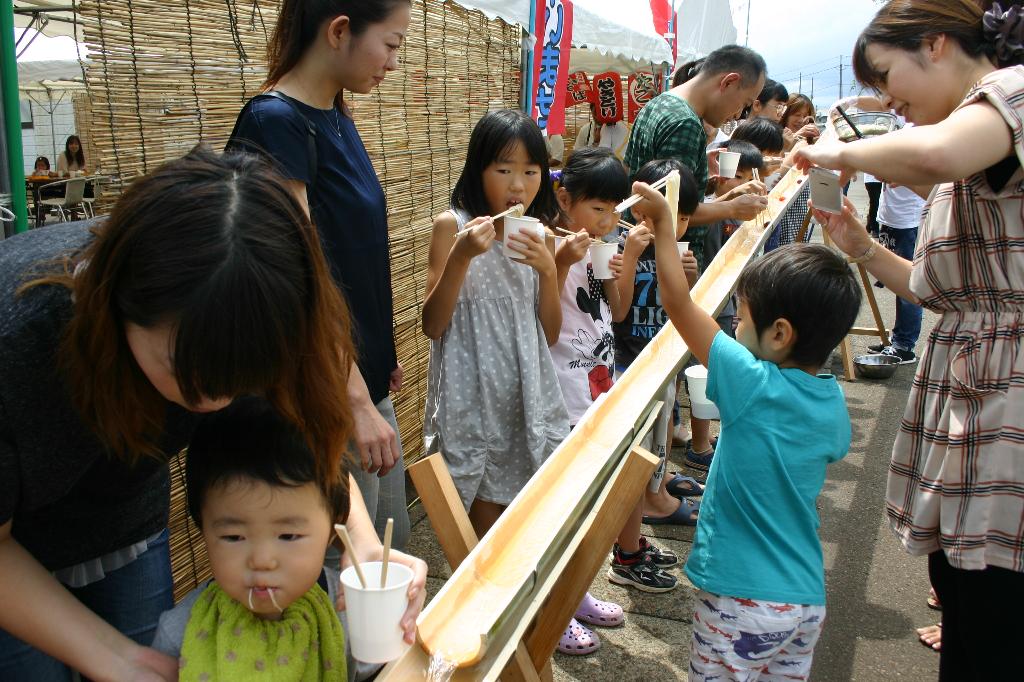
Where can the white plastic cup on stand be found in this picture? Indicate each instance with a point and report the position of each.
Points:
(728, 162)
(514, 225)
(600, 258)
(683, 248)
(696, 384)
(375, 613)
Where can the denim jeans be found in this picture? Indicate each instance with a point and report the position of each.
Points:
(130, 598)
(908, 315)
(384, 496)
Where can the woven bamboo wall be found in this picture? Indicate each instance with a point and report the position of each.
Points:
(164, 76)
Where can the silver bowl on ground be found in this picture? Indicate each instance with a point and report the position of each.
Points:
(875, 366)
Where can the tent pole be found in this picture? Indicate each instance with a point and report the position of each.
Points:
(528, 53)
(12, 116)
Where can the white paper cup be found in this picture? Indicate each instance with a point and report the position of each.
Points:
(696, 383)
(600, 257)
(728, 162)
(514, 225)
(374, 614)
(683, 248)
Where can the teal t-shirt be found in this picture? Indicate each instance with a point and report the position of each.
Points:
(757, 533)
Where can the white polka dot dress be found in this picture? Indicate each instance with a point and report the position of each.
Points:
(494, 408)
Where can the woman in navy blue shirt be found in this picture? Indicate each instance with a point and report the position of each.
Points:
(319, 49)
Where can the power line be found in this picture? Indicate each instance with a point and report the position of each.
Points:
(786, 75)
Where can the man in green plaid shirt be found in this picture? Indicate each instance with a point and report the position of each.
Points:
(671, 126)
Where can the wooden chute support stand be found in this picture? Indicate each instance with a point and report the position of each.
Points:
(532, 658)
(878, 330)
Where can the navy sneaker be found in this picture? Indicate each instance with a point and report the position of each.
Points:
(641, 574)
(906, 357)
(662, 558)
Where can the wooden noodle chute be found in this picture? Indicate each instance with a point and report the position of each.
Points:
(509, 563)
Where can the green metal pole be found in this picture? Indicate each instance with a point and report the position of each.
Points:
(12, 114)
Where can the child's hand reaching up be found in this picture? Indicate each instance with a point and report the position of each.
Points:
(697, 328)
(654, 208)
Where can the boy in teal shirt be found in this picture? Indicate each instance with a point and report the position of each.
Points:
(756, 557)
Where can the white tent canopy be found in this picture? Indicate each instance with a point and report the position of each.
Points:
(704, 26)
(622, 29)
(50, 77)
(619, 35)
(52, 18)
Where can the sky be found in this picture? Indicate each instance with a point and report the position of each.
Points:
(808, 36)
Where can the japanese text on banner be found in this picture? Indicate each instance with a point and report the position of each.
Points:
(551, 64)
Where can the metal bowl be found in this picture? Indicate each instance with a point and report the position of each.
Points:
(875, 366)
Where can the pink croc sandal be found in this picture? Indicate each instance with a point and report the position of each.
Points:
(578, 640)
(603, 614)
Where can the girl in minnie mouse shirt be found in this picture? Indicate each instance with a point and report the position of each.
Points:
(593, 182)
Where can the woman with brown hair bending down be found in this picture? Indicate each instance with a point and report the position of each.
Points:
(206, 282)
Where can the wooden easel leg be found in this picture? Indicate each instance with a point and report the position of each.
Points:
(869, 292)
(589, 557)
(444, 508)
(457, 538)
(802, 235)
(847, 353)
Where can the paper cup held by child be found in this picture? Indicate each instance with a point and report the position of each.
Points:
(696, 383)
(375, 613)
(514, 225)
(600, 257)
(683, 248)
(728, 163)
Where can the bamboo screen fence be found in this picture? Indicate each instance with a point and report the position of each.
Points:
(165, 75)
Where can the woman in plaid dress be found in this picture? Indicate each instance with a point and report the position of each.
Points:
(956, 480)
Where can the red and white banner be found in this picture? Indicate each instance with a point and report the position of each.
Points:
(608, 97)
(551, 64)
(643, 87)
(579, 90)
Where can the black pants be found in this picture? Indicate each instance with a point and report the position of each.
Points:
(981, 621)
(874, 194)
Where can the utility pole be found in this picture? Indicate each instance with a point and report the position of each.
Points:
(746, 38)
(801, 86)
(812, 89)
(840, 76)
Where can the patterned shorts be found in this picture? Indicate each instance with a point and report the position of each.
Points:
(747, 640)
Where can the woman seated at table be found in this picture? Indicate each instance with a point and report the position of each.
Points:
(72, 159)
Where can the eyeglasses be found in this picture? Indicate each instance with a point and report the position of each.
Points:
(780, 108)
